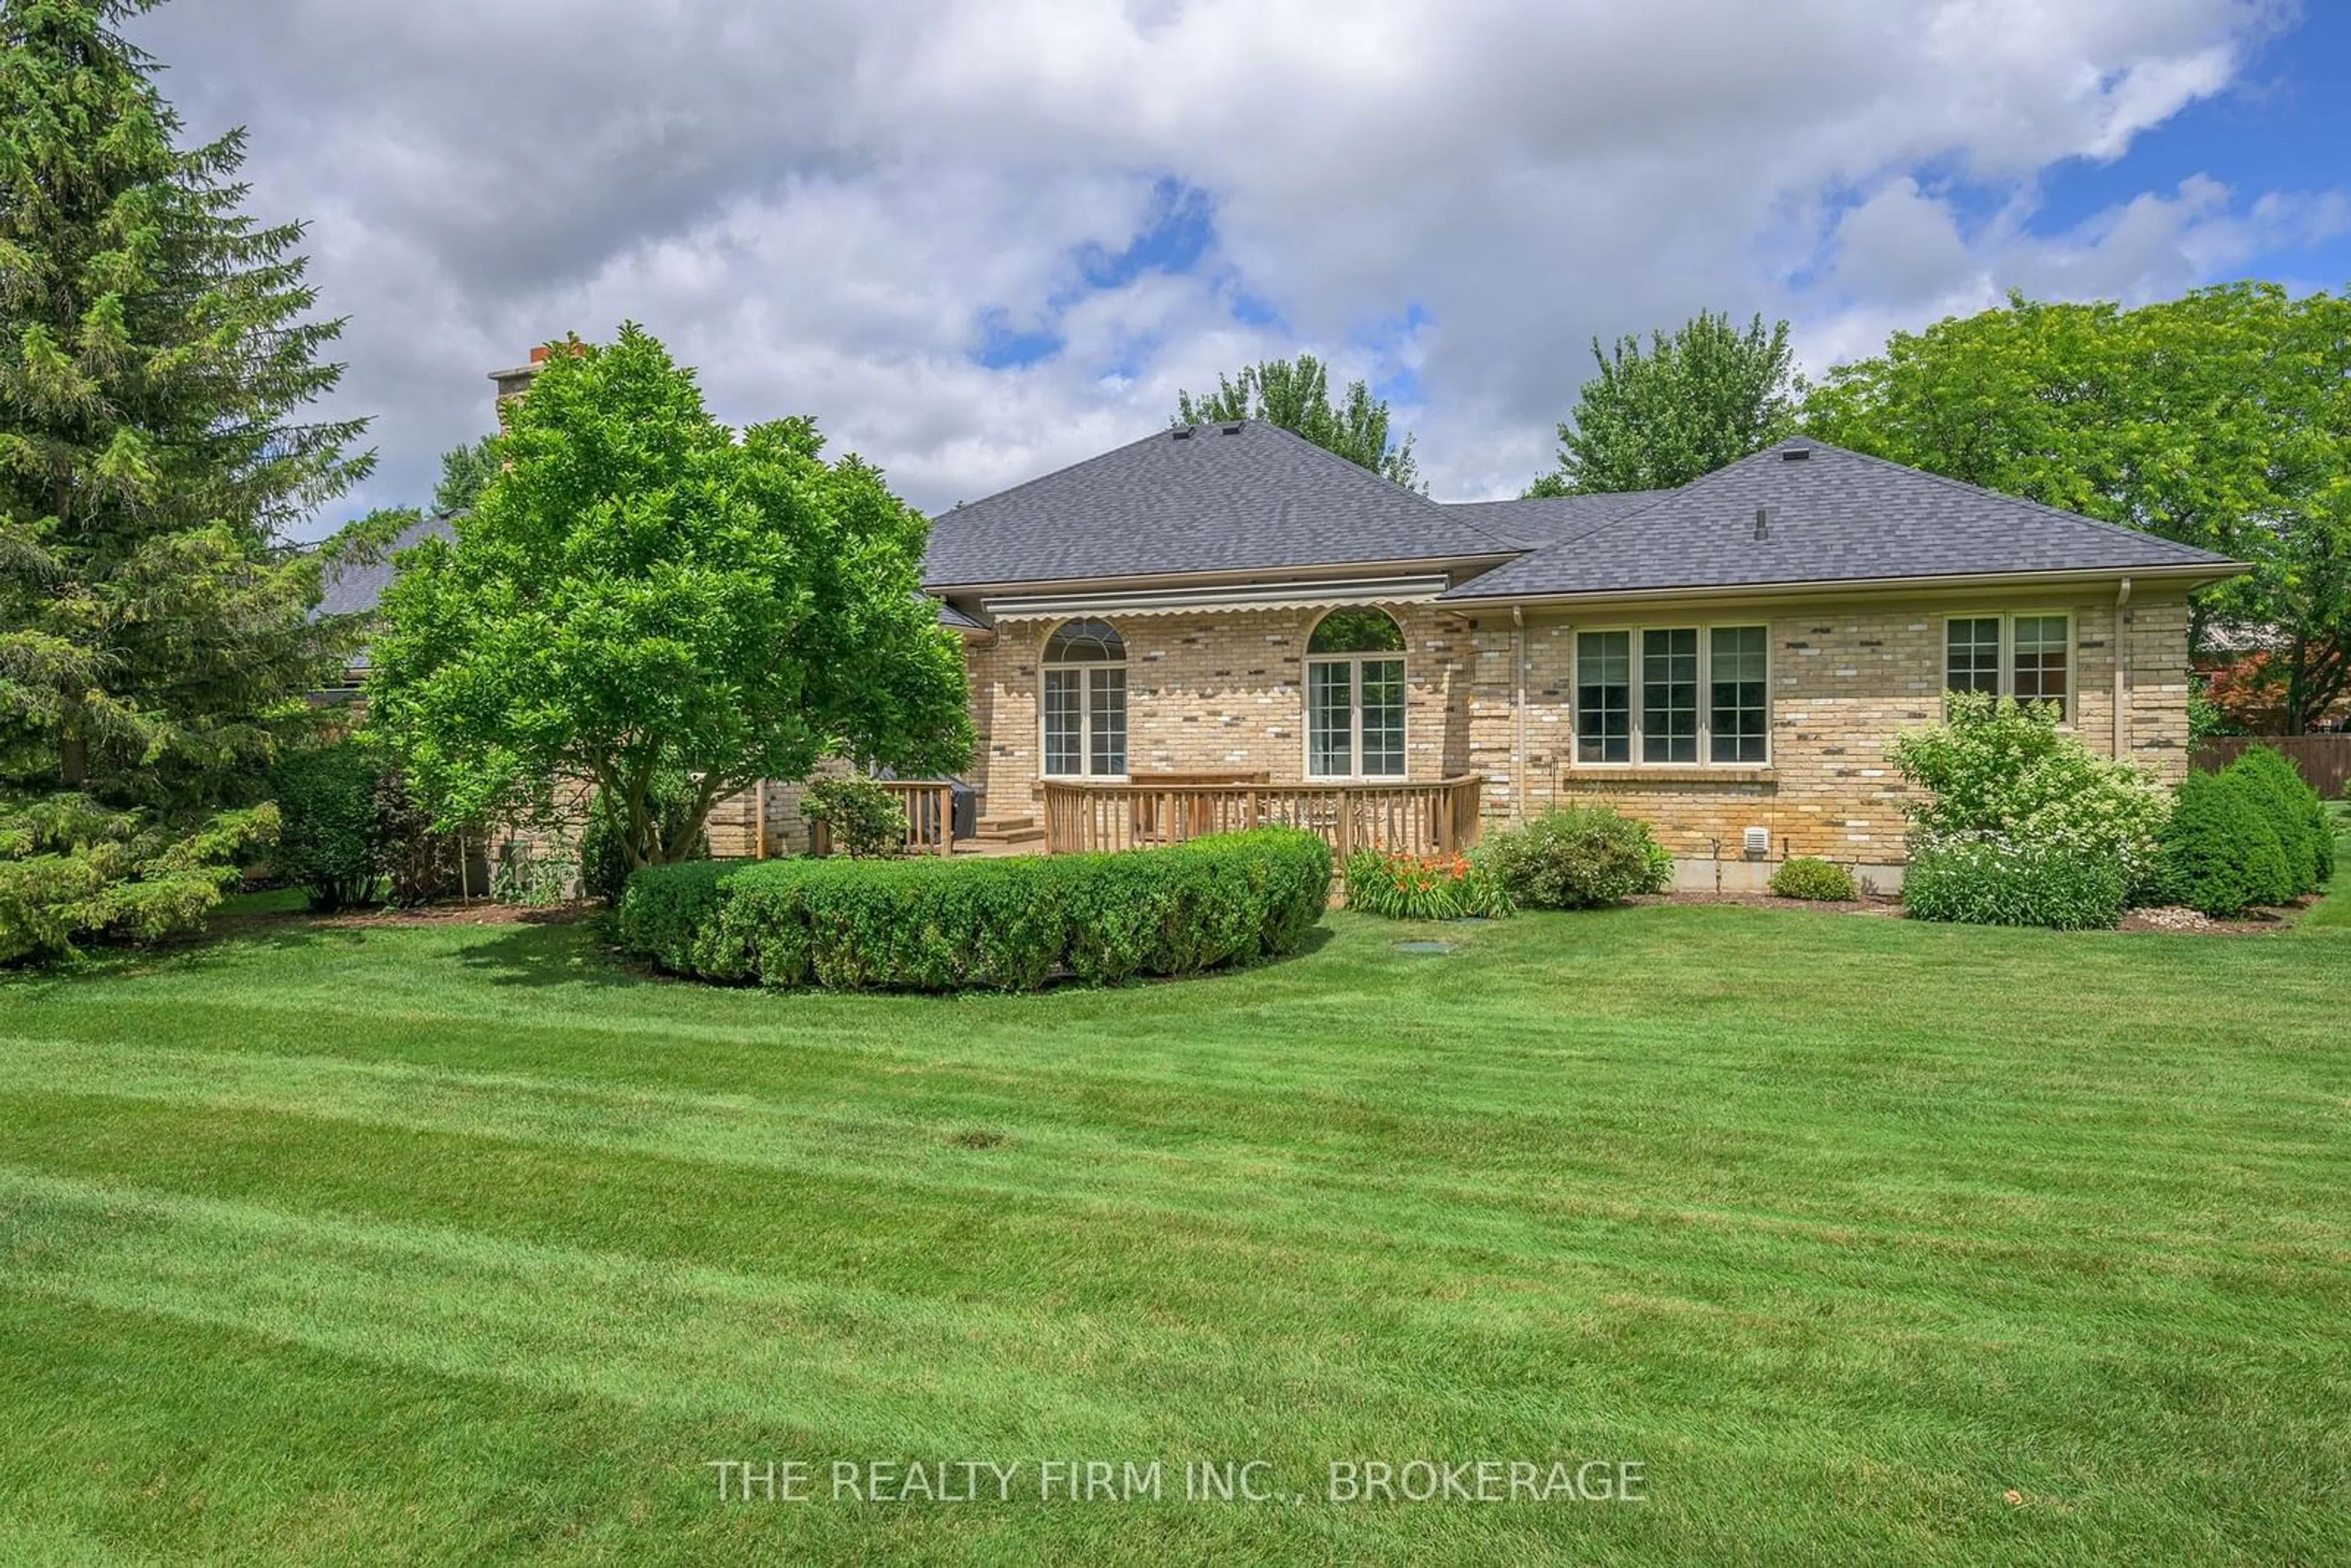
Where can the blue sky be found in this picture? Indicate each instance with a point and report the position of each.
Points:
(980, 240)
(2284, 125)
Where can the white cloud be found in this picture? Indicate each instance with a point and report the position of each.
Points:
(821, 205)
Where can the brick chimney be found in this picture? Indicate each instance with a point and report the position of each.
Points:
(513, 383)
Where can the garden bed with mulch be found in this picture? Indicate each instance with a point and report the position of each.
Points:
(2170, 920)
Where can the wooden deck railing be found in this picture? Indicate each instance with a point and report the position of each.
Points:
(1412, 819)
(929, 805)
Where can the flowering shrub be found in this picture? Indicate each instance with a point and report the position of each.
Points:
(1577, 858)
(1424, 887)
(2005, 773)
(1992, 882)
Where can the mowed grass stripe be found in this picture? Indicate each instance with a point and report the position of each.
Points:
(439, 1244)
(1386, 1242)
(1139, 1166)
(846, 1361)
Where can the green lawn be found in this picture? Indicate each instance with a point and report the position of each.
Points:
(457, 1243)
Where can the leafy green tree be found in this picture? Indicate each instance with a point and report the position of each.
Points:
(1706, 396)
(638, 592)
(464, 470)
(155, 351)
(2220, 420)
(1296, 395)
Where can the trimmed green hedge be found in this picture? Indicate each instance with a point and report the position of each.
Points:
(1005, 925)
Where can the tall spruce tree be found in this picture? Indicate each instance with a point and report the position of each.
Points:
(155, 633)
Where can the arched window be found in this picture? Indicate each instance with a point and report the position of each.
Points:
(1354, 696)
(1085, 701)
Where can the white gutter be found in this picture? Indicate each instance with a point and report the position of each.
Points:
(1519, 715)
(1307, 573)
(1814, 587)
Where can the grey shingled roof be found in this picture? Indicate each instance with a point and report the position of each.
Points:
(1532, 523)
(359, 589)
(1211, 497)
(1836, 516)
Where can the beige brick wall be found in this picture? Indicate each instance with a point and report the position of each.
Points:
(1224, 692)
(1844, 679)
(1212, 691)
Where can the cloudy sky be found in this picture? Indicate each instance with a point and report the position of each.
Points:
(982, 238)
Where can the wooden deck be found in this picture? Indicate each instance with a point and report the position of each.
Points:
(1440, 817)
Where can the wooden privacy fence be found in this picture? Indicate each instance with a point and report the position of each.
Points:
(929, 805)
(1410, 819)
(2324, 760)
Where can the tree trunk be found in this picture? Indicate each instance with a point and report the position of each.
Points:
(73, 752)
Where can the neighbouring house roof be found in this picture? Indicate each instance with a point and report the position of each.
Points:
(1531, 523)
(1241, 497)
(1830, 516)
(358, 589)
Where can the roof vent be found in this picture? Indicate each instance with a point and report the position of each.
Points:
(1764, 516)
(1232, 430)
(1181, 433)
(1795, 454)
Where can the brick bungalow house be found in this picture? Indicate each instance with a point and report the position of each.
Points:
(1224, 606)
(1725, 661)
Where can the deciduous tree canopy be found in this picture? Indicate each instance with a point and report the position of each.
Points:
(1296, 395)
(639, 591)
(2220, 420)
(1706, 396)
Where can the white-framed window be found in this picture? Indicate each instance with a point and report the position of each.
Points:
(1355, 696)
(1676, 695)
(2025, 656)
(1084, 701)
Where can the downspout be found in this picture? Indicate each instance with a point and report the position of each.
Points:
(2122, 670)
(1519, 714)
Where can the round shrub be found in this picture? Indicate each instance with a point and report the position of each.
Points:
(863, 820)
(1009, 924)
(1989, 882)
(1811, 877)
(1578, 857)
(2292, 807)
(604, 862)
(2220, 852)
(1424, 887)
(327, 837)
